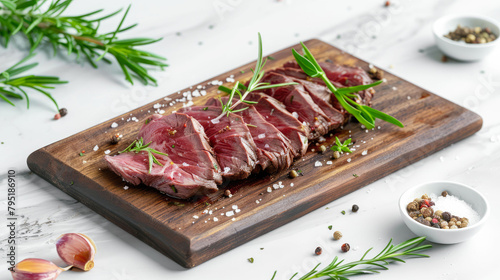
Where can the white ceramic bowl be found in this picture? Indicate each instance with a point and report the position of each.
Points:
(445, 236)
(461, 50)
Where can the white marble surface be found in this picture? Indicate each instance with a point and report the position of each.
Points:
(388, 38)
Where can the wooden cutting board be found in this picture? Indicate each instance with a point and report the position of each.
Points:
(192, 232)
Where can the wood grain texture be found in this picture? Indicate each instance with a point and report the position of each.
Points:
(431, 124)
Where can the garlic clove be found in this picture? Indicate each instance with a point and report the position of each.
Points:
(36, 269)
(76, 249)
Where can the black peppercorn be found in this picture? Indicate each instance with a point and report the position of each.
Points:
(445, 193)
(345, 247)
(116, 138)
(355, 208)
(318, 251)
(436, 225)
(63, 112)
(446, 216)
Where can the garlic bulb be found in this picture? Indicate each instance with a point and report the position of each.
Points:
(36, 269)
(76, 249)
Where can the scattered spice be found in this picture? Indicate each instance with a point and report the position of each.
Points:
(293, 174)
(251, 260)
(345, 247)
(82, 153)
(330, 227)
(444, 58)
(476, 35)
(343, 212)
(387, 3)
(116, 138)
(337, 235)
(375, 73)
(318, 251)
(228, 193)
(336, 155)
(355, 175)
(63, 112)
(444, 193)
(322, 148)
(355, 208)
(57, 116)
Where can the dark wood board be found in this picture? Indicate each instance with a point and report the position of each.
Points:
(168, 225)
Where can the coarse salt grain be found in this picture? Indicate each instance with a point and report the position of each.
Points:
(107, 152)
(237, 210)
(234, 207)
(291, 184)
(257, 201)
(229, 213)
(125, 187)
(96, 148)
(455, 206)
(269, 189)
(329, 162)
(114, 125)
(348, 160)
(215, 121)
(215, 219)
(295, 115)
(195, 217)
(227, 169)
(260, 136)
(364, 153)
(318, 164)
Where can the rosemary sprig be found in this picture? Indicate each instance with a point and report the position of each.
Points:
(253, 85)
(138, 146)
(11, 87)
(364, 114)
(77, 34)
(391, 253)
(341, 147)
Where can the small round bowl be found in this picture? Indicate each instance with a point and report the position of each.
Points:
(445, 236)
(461, 50)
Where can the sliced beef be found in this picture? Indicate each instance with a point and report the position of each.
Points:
(343, 75)
(274, 112)
(181, 174)
(230, 138)
(274, 150)
(300, 104)
(322, 97)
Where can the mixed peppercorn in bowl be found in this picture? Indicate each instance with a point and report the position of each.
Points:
(445, 212)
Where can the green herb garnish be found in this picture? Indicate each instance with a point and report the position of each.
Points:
(253, 85)
(341, 147)
(40, 21)
(346, 96)
(12, 87)
(330, 227)
(342, 212)
(138, 146)
(251, 260)
(355, 175)
(391, 253)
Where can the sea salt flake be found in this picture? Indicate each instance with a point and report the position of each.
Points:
(269, 189)
(215, 219)
(125, 187)
(318, 164)
(257, 201)
(364, 153)
(276, 186)
(227, 169)
(107, 152)
(96, 148)
(329, 162)
(234, 207)
(229, 213)
(291, 184)
(195, 217)
(260, 136)
(114, 125)
(237, 210)
(157, 106)
(348, 160)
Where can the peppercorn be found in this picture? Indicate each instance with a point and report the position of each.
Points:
(293, 174)
(318, 251)
(336, 154)
(458, 224)
(446, 227)
(453, 219)
(464, 219)
(417, 200)
(453, 227)
(438, 213)
(427, 212)
(446, 216)
(227, 193)
(322, 148)
(63, 112)
(451, 223)
(436, 226)
(355, 208)
(431, 203)
(387, 3)
(423, 221)
(425, 196)
(57, 116)
(116, 138)
(337, 235)
(414, 214)
(412, 206)
(444, 193)
(345, 247)
(434, 221)
(443, 224)
(464, 224)
(429, 219)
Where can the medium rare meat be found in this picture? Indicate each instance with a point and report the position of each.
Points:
(230, 138)
(344, 75)
(300, 104)
(190, 167)
(322, 97)
(274, 112)
(274, 150)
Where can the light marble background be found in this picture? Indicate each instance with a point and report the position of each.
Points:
(397, 39)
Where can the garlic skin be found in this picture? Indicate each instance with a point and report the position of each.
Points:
(36, 269)
(77, 250)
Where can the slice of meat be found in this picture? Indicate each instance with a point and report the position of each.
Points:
(344, 75)
(174, 176)
(274, 150)
(274, 112)
(300, 104)
(322, 97)
(230, 138)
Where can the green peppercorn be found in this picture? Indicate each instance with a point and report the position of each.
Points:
(293, 174)
(322, 148)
